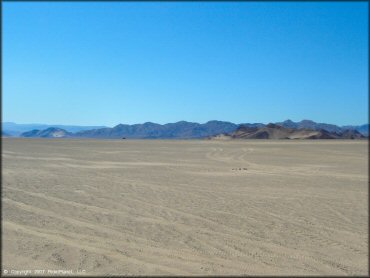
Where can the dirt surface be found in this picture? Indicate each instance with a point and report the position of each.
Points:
(149, 207)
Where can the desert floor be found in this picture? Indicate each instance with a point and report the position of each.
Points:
(149, 207)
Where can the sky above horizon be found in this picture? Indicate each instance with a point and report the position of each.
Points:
(96, 63)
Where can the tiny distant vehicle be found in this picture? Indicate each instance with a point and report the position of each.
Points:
(123, 137)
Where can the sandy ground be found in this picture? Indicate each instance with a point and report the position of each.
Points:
(137, 207)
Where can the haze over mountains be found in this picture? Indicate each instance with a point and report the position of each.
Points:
(191, 130)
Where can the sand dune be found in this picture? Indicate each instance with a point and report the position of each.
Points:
(148, 207)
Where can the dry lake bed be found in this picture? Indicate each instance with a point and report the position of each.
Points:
(157, 207)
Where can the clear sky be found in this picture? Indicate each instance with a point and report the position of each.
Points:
(95, 63)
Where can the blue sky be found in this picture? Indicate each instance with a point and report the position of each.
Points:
(95, 63)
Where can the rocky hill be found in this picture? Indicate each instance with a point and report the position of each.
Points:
(308, 124)
(274, 131)
(50, 132)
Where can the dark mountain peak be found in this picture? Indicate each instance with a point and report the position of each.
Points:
(150, 124)
(182, 122)
(271, 125)
(252, 125)
(289, 124)
(217, 122)
(213, 122)
(220, 124)
(305, 121)
(31, 133)
(246, 128)
(52, 129)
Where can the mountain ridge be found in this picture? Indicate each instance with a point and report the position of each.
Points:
(15, 129)
(275, 131)
(190, 130)
(148, 130)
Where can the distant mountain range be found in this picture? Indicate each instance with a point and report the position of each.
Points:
(178, 130)
(275, 131)
(13, 129)
(364, 129)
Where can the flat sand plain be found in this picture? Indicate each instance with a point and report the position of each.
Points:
(157, 207)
